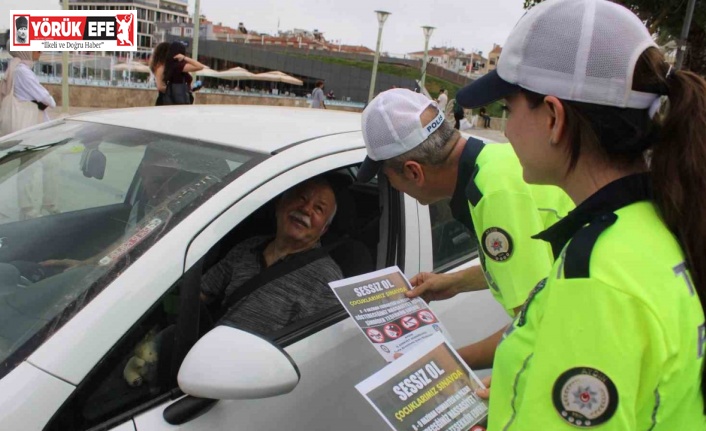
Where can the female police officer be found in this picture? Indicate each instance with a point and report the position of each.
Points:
(615, 337)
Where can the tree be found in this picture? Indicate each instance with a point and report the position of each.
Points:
(664, 19)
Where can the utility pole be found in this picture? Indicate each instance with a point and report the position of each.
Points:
(681, 45)
(427, 34)
(197, 28)
(382, 17)
(65, 73)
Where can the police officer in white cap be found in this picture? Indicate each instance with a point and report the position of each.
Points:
(409, 140)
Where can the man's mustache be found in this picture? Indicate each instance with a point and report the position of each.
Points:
(305, 219)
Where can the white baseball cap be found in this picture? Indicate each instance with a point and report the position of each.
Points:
(578, 50)
(392, 126)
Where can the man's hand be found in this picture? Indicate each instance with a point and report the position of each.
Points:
(435, 287)
(484, 393)
(179, 57)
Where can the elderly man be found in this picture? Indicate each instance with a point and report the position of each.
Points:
(303, 214)
(409, 140)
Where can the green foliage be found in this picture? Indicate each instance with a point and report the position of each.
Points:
(665, 18)
(433, 84)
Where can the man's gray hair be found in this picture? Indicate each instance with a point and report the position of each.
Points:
(432, 151)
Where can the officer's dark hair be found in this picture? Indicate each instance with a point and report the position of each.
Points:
(674, 142)
(433, 151)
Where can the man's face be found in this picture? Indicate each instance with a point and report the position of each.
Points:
(22, 33)
(304, 211)
(408, 186)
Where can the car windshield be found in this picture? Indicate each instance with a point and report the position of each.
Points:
(79, 202)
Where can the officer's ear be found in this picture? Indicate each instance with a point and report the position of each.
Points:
(556, 121)
(413, 172)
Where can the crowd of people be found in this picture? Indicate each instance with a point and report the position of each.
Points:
(590, 223)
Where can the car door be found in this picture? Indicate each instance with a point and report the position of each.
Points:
(331, 360)
(332, 356)
(471, 316)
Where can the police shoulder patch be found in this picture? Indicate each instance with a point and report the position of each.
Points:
(585, 397)
(497, 244)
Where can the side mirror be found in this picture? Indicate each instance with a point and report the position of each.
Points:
(230, 364)
(93, 163)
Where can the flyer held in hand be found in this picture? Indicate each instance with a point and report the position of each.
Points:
(427, 389)
(393, 323)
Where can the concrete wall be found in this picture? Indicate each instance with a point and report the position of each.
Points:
(346, 81)
(85, 96)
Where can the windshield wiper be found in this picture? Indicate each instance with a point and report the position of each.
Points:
(11, 155)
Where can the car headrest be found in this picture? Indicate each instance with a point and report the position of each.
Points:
(346, 213)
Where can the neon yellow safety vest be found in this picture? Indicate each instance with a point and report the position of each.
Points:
(614, 338)
(493, 201)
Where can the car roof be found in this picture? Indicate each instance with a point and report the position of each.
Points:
(264, 129)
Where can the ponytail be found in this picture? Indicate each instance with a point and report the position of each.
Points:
(678, 162)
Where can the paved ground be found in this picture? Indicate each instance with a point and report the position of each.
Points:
(489, 134)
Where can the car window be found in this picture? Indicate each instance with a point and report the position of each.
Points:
(452, 242)
(137, 369)
(79, 202)
(296, 289)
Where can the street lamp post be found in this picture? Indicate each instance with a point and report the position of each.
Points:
(382, 17)
(682, 44)
(197, 29)
(427, 34)
(65, 73)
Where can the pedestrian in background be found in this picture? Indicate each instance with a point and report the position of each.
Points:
(317, 96)
(23, 100)
(486, 118)
(614, 338)
(23, 103)
(157, 62)
(442, 100)
(459, 114)
(174, 81)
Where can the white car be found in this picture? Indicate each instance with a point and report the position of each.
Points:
(132, 249)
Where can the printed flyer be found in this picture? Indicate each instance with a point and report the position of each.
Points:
(427, 389)
(393, 323)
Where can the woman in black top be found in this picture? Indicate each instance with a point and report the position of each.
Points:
(175, 70)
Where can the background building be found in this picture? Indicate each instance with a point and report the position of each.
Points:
(454, 60)
(493, 58)
(149, 14)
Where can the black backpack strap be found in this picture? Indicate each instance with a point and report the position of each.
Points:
(278, 270)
